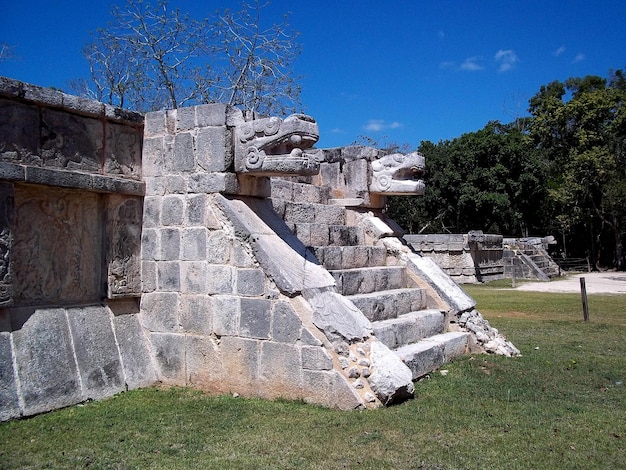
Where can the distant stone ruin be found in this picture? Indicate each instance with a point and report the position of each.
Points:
(205, 248)
(479, 257)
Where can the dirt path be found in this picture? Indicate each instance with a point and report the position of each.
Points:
(596, 283)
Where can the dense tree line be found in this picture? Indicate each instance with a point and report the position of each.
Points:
(561, 171)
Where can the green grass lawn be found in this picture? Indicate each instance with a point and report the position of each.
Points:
(561, 405)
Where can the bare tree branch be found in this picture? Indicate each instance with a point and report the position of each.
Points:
(150, 57)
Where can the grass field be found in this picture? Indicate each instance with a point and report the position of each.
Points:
(561, 405)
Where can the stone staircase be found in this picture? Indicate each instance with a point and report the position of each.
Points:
(378, 284)
(530, 259)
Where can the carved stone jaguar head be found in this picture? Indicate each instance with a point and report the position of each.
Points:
(398, 174)
(275, 146)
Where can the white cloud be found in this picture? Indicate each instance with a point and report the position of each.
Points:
(377, 125)
(448, 64)
(471, 64)
(579, 58)
(337, 130)
(507, 59)
(559, 51)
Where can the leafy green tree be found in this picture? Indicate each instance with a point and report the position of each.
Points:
(488, 180)
(579, 128)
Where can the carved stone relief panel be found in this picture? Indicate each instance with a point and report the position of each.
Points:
(70, 141)
(57, 246)
(123, 151)
(6, 242)
(123, 219)
(19, 133)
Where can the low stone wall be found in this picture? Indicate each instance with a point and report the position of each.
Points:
(466, 258)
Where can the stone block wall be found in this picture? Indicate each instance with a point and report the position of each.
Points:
(70, 226)
(232, 301)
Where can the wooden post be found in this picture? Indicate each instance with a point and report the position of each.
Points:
(583, 294)
(512, 274)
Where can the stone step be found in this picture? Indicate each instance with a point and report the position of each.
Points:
(409, 328)
(369, 279)
(387, 304)
(287, 190)
(295, 213)
(431, 353)
(347, 257)
(344, 235)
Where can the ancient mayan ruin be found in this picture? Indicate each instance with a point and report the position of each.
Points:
(208, 248)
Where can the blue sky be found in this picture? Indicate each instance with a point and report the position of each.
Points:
(396, 71)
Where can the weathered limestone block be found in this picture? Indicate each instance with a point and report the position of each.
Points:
(219, 244)
(196, 313)
(250, 282)
(280, 370)
(133, 345)
(169, 355)
(227, 183)
(422, 357)
(198, 211)
(391, 379)
(123, 235)
(168, 276)
(316, 358)
(194, 243)
(179, 154)
(7, 201)
(9, 400)
(194, 277)
(336, 316)
(150, 245)
(226, 312)
(160, 311)
(286, 325)
(212, 145)
(220, 279)
(240, 361)
(172, 210)
(97, 355)
(203, 363)
(44, 358)
(169, 244)
(445, 287)
(153, 155)
(329, 388)
(255, 318)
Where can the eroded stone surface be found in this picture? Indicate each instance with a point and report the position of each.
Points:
(336, 316)
(390, 379)
(56, 245)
